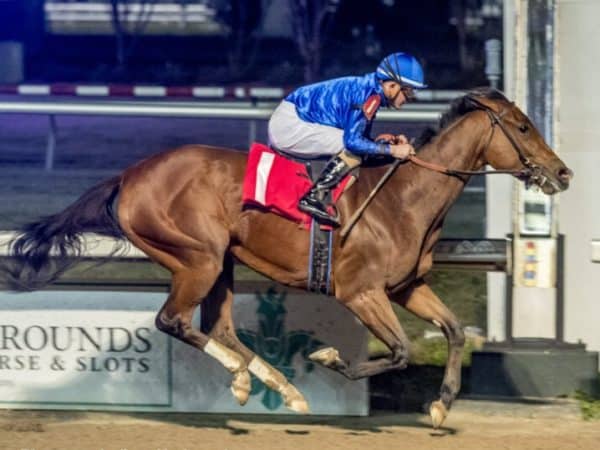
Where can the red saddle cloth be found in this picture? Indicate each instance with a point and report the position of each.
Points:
(276, 184)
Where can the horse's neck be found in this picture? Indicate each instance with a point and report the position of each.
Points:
(460, 146)
(457, 147)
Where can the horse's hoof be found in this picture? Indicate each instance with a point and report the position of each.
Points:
(294, 400)
(240, 386)
(438, 413)
(327, 356)
(299, 406)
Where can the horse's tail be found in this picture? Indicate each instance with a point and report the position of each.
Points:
(45, 249)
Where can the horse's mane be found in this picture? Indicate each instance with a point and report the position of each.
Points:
(458, 108)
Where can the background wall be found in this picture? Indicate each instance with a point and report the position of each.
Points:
(578, 34)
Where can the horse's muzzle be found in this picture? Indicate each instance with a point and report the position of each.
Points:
(565, 175)
(553, 181)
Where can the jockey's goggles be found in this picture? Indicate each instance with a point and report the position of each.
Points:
(409, 92)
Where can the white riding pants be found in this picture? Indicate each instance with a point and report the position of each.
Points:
(290, 134)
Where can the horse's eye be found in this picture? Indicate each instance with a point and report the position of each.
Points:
(524, 128)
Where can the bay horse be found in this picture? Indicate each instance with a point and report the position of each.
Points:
(183, 209)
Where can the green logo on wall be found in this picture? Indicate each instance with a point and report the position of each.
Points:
(275, 345)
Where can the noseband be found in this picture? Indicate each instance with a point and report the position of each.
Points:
(531, 172)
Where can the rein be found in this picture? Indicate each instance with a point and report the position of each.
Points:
(454, 172)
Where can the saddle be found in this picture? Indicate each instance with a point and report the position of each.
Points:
(275, 182)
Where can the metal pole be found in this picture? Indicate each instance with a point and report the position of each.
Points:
(560, 288)
(493, 61)
(508, 319)
(251, 132)
(51, 144)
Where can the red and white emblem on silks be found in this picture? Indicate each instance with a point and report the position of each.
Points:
(276, 184)
(370, 106)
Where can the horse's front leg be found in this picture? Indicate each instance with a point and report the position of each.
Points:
(422, 301)
(374, 310)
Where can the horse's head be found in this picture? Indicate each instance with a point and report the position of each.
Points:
(516, 144)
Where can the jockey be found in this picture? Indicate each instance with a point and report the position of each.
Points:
(334, 118)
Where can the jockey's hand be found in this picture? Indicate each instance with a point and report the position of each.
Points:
(402, 151)
(391, 139)
(387, 138)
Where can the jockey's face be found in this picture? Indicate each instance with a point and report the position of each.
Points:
(394, 93)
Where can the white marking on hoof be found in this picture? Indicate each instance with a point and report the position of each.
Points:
(230, 359)
(438, 413)
(326, 356)
(240, 386)
(294, 400)
(261, 369)
(299, 406)
(275, 380)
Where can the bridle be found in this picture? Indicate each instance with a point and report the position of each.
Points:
(531, 172)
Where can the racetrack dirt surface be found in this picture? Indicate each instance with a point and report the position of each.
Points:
(470, 426)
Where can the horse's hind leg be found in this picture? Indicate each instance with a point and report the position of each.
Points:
(189, 242)
(217, 322)
(189, 287)
(374, 310)
(423, 302)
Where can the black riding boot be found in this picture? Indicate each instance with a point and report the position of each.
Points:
(313, 201)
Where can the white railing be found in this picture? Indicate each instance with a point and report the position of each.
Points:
(167, 108)
(94, 246)
(239, 92)
(53, 106)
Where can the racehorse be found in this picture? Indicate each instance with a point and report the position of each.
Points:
(183, 209)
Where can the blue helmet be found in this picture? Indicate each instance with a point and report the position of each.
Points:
(403, 68)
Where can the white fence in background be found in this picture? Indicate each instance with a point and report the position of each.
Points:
(52, 106)
(231, 92)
